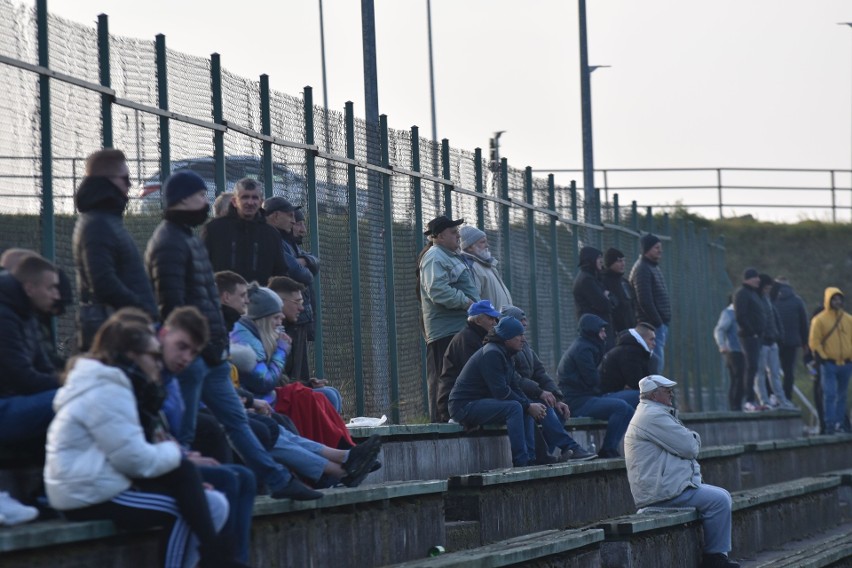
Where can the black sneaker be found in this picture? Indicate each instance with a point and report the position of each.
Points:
(297, 491)
(580, 454)
(361, 461)
(718, 560)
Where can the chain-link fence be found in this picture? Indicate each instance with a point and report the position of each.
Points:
(72, 89)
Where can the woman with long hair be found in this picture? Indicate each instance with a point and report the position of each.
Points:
(99, 464)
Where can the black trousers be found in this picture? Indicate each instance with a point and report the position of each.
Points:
(735, 362)
(751, 351)
(788, 364)
(434, 365)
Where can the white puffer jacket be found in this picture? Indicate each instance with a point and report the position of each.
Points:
(95, 444)
(660, 453)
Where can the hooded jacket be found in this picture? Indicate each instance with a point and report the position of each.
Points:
(24, 365)
(589, 292)
(622, 300)
(250, 248)
(749, 311)
(794, 316)
(626, 364)
(660, 453)
(109, 267)
(653, 304)
(831, 345)
(95, 444)
(578, 369)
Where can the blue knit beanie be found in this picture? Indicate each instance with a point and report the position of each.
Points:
(181, 185)
(508, 328)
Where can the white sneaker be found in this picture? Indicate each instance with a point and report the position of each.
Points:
(13, 512)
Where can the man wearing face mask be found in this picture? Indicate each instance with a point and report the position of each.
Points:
(110, 273)
(477, 255)
(181, 273)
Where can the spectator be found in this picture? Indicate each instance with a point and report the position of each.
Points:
(222, 204)
(631, 360)
(242, 241)
(475, 252)
(620, 292)
(28, 380)
(487, 393)
(281, 214)
(751, 323)
(794, 320)
(590, 296)
(300, 231)
(99, 464)
(110, 272)
(830, 341)
(652, 297)
(727, 339)
(292, 297)
(769, 362)
(662, 468)
(446, 289)
(481, 318)
(180, 270)
(233, 294)
(579, 381)
(537, 384)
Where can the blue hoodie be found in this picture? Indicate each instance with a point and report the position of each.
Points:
(578, 370)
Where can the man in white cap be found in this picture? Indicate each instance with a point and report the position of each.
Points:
(660, 453)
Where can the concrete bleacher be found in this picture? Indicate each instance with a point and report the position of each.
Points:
(486, 514)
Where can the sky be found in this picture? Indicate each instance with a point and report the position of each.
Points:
(722, 84)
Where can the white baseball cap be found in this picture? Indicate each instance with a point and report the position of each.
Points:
(653, 382)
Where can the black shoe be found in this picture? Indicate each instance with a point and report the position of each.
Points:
(297, 491)
(579, 455)
(718, 560)
(376, 466)
(361, 460)
(606, 454)
(546, 459)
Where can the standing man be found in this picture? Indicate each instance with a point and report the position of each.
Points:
(831, 342)
(662, 468)
(180, 271)
(794, 320)
(110, 272)
(447, 289)
(652, 297)
(474, 246)
(590, 296)
(242, 241)
(620, 291)
(727, 339)
(751, 321)
(769, 362)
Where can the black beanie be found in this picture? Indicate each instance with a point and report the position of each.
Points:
(612, 255)
(648, 241)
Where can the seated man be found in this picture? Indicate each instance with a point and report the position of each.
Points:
(28, 380)
(538, 385)
(481, 318)
(486, 391)
(660, 453)
(629, 361)
(578, 379)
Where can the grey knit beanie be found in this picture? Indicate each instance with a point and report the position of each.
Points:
(262, 302)
(469, 236)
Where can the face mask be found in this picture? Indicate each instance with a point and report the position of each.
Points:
(189, 218)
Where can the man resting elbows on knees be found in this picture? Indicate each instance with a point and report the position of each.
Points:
(660, 453)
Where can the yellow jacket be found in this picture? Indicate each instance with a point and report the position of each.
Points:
(831, 345)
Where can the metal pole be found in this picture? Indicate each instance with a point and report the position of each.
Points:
(479, 188)
(589, 209)
(371, 82)
(324, 83)
(833, 200)
(554, 272)
(103, 65)
(390, 298)
(719, 191)
(48, 219)
(419, 243)
(575, 233)
(163, 101)
(266, 128)
(533, 307)
(218, 118)
(355, 256)
(448, 191)
(616, 220)
(431, 72)
(505, 226)
(313, 222)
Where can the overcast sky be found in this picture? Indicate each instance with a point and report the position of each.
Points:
(728, 83)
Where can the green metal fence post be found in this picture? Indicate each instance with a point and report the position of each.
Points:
(649, 219)
(448, 191)
(266, 128)
(48, 220)
(505, 226)
(355, 256)
(480, 188)
(634, 225)
(103, 71)
(218, 118)
(533, 307)
(313, 223)
(575, 233)
(163, 102)
(390, 285)
(683, 308)
(696, 276)
(417, 188)
(554, 271)
(616, 220)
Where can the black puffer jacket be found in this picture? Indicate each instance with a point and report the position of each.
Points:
(589, 292)
(534, 378)
(109, 266)
(461, 348)
(626, 364)
(24, 365)
(750, 312)
(180, 271)
(794, 316)
(652, 297)
(621, 298)
(252, 249)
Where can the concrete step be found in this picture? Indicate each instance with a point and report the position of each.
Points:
(829, 548)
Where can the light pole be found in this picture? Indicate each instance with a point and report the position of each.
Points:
(324, 82)
(432, 94)
(849, 24)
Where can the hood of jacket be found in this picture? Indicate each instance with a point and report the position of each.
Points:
(830, 292)
(630, 337)
(588, 258)
(784, 292)
(98, 193)
(12, 294)
(590, 325)
(88, 374)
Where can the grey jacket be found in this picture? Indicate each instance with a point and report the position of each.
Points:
(660, 453)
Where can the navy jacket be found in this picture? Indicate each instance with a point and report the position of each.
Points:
(794, 317)
(489, 373)
(578, 369)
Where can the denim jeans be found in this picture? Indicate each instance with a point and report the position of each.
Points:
(714, 508)
(519, 425)
(24, 418)
(213, 386)
(768, 361)
(835, 383)
(299, 454)
(238, 484)
(333, 396)
(659, 348)
(553, 429)
(616, 410)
